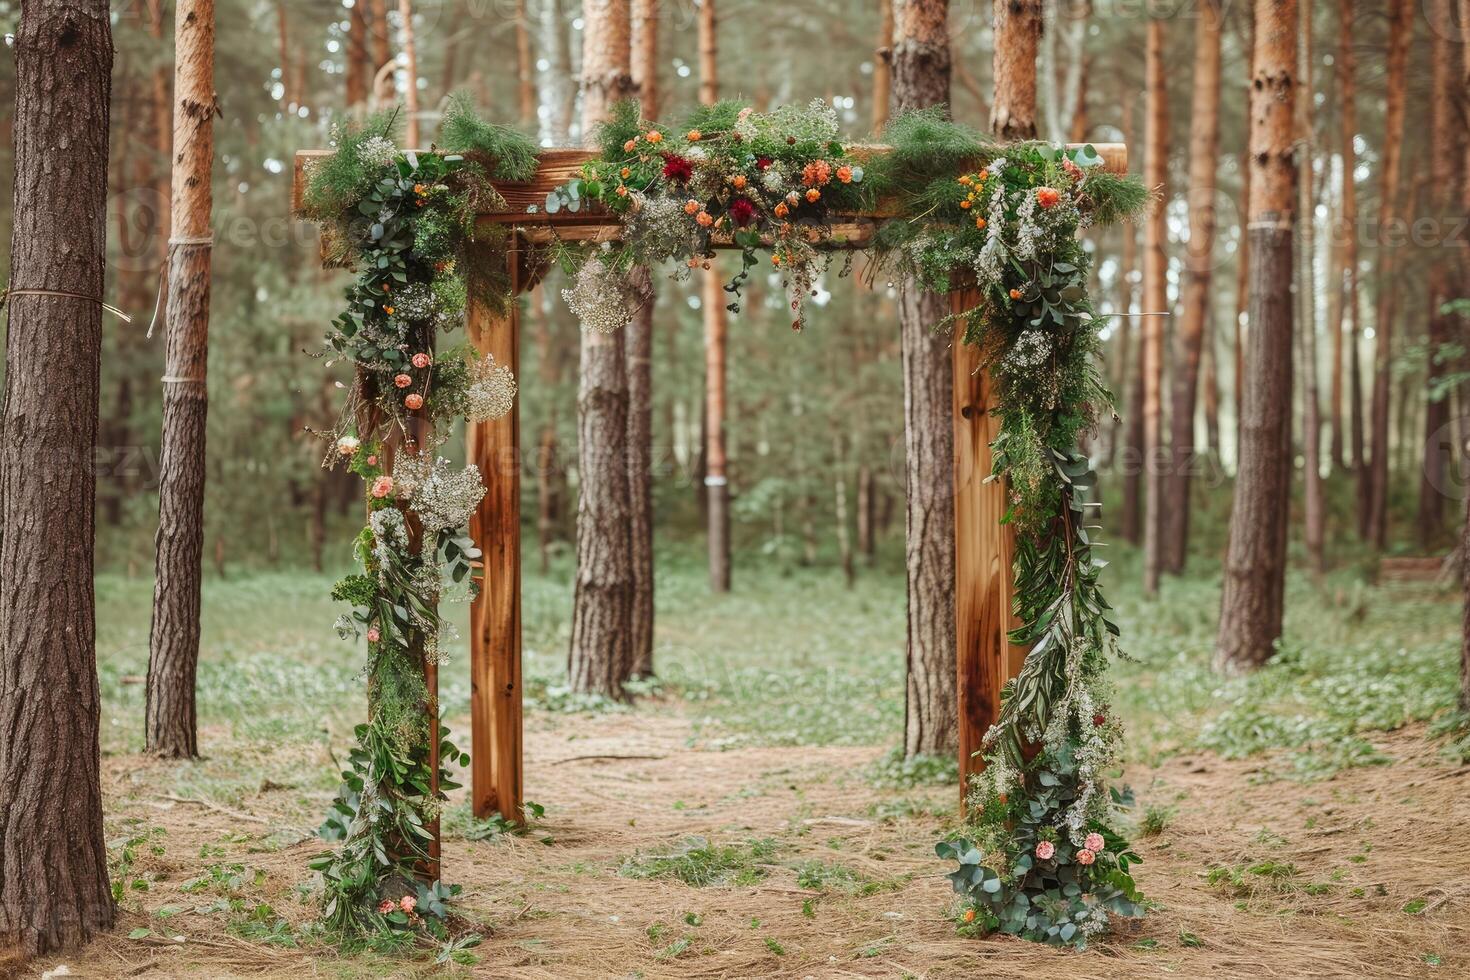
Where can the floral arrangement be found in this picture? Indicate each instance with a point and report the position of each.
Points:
(405, 221)
(778, 182)
(1042, 856)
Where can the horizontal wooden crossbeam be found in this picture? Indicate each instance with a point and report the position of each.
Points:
(557, 166)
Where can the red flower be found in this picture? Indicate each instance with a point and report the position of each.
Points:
(762, 163)
(1047, 197)
(1099, 720)
(742, 211)
(677, 168)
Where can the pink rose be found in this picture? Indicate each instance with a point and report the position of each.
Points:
(1045, 850)
(421, 361)
(372, 460)
(408, 903)
(382, 486)
(1085, 856)
(1094, 842)
(384, 907)
(374, 635)
(402, 380)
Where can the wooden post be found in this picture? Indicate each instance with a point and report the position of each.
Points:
(495, 615)
(984, 549)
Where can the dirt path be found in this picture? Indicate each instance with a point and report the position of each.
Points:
(1365, 875)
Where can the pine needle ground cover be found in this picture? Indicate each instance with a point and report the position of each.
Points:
(715, 831)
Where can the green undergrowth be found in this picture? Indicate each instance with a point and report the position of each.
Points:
(794, 657)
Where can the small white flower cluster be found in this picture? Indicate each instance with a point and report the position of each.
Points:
(390, 534)
(661, 228)
(1041, 231)
(991, 263)
(377, 151)
(1094, 749)
(492, 390)
(601, 297)
(414, 302)
(815, 121)
(1028, 364)
(444, 497)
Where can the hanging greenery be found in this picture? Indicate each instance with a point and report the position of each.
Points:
(406, 222)
(1042, 857)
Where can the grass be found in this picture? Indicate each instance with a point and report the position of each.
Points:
(699, 863)
(793, 657)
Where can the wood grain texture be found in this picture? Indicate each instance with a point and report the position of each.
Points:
(984, 551)
(495, 615)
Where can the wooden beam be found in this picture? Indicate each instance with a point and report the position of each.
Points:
(984, 549)
(557, 166)
(495, 616)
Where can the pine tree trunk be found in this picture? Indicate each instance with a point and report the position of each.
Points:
(1315, 509)
(1204, 146)
(921, 71)
(883, 66)
(1130, 371)
(1400, 27)
(1464, 19)
(716, 480)
(54, 891)
(602, 612)
(525, 67)
(1155, 308)
(644, 70)
(173, 656)
(1017, 43)
(1348, 225)
(1255, 561)
(411, 74)
(867, 510)
(1438, 437)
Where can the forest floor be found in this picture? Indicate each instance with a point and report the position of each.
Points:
(748, 818)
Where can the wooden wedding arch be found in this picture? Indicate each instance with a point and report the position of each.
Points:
(984, 658)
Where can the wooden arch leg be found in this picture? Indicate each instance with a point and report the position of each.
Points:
(495, 615)
(984, 549)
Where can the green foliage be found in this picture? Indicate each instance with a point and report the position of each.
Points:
(699, 863)
(506, 153)
(336, 182)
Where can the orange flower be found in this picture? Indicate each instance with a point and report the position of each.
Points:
(965, 179)
(782, 210)
(693, 137)
(979, 222)
(739, 181)
(387, 287)
(775, 260)
(418, 188)
(813, 195)
(816, 173)
(691, 207)
(1015, 294)
(622, 191)
(705, 219)
(414, 402)
(653, 136)
(402, 381)
(625, 173)
(630, 146)
(969, 915)
(1047, 197)
(693, 263)
(844, 174)
(388, 310)
(965, 204)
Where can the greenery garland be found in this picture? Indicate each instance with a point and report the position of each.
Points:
(406, 222)
(1042, 857)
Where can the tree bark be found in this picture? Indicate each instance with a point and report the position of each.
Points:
(1315, 509)
(883, 66)
(644, 70)
(1401, 25)
(54, 891)
(716, 480)
(602, 612)
(1255, 561)
(1464, 19)
(921, 75)
(173, 649)
(1155, 307)
(411, 74)
(1018, 28)
(1204, 146)
(1130, 357)
(1348, 232)
(525, 67)
(1444, 133)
